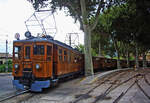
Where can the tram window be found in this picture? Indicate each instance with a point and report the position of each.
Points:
(49, 50)
(38, 50)
(75, 60)
(65, 55)
(65, 59)
(60, 58)
(27, 52)
(17, 50)
(60, 51)
(60, 55)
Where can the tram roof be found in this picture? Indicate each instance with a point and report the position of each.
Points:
(44, 39)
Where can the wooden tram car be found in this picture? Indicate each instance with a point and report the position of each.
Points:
(39, 62)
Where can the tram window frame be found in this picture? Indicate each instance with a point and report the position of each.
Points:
(17, 53)
(39, 50)
(27, 52)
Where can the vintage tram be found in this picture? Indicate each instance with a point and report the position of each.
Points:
(39, 62)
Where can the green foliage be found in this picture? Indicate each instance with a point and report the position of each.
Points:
(126, 23)
(80, 48)
(3, 66)
(103, 32)
(107, 47)
(93, 52)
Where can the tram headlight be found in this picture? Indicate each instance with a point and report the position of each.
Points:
(16, 66)
(37, 66)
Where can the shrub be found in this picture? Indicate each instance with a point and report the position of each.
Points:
(3, 67)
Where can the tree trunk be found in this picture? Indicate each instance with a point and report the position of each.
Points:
(88, 56)
(118, 60)
(144, 60)
(136, 56)
(127, 58)
(99, 50)
(118, 55)
(87, 41)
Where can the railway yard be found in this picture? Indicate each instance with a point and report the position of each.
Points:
(122, 86)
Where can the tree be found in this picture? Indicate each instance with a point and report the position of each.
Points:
(100, 43)
(132, 24)
(81, 10)
(80, 48)
(107, 23)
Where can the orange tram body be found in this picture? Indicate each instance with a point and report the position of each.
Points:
(39, 62)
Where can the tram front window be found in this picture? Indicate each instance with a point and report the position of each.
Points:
(17, 50)
(27, 52)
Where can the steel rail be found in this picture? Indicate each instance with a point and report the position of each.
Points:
(123, 93)
(9, 97)
(143, 90)
(146, 80)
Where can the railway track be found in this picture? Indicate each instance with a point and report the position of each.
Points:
(138, 85)
(114, 85)
(123, 93)
(86, 95)
(14, 95)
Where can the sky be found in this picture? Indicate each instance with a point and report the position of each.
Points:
(15, 12)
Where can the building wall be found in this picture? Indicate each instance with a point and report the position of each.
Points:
(2, 61)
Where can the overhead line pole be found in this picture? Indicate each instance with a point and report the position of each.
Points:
(70, 40)
(6, 56)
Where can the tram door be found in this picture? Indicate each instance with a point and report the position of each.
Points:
(27, 65)
(27, 53)
(27, 62)
(49, 60)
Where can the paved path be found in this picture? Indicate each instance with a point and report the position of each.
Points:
(6, 86)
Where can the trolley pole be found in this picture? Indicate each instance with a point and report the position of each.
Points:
(70, 40)
(6, 56)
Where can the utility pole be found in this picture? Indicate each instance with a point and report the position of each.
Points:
(6, 56)
(72, 39)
